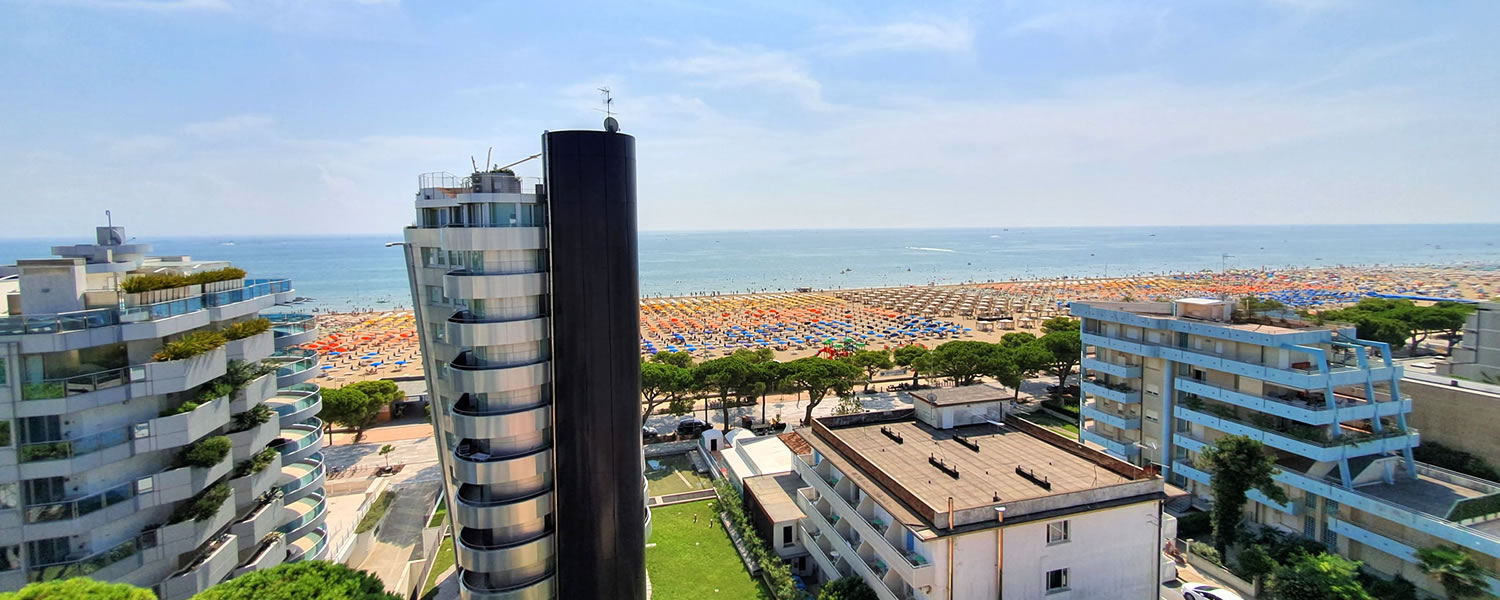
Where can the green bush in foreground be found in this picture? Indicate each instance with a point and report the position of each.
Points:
(778, 576)
(78, 588)
(848, 587)
(307, 580)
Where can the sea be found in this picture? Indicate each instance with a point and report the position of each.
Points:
(359, 272)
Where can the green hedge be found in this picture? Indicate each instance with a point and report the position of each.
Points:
(207, 452)
(203, 506)
(777, 575)
(1469, 508)
(190, 345)
(244, 329)
(377, 511)
(255, 464)
(216, 275)
(260, 414)
(151, 282)
(1439, 455)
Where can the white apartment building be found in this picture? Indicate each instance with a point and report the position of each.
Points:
(96, 429)
(991, 509)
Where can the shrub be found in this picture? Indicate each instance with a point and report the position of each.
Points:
(1195, 524)
(376, 512)
(255, 464)
(207, 452)
(305, 580)
(1439, 455)
(848, 587)
(257, 415)
(190, 345)
(150, 282)
(79, 588)
(239, 373)
(1206, 551)
(216, 275)
(244, 329)
(203, 506)
(185, 407)
(777, 575)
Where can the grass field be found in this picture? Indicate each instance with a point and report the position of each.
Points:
(441, 563)
(440, 514)
(1047, 420)
(673, 475)
(692, 561)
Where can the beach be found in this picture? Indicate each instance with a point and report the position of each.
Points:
(383, 344)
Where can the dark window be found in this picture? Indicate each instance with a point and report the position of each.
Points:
(786, 535)
(10, 558)
(45, 490)
(48, 551)
(1057, 580)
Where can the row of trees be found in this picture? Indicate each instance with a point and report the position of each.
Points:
(307, 580)
(1300, 569)
(748, 376)
(357, 405)
(1397, 322)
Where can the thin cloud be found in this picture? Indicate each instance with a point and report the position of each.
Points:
(750, 68)
(227, 126)
(939, 35)
(1082, 23)
(160, 6)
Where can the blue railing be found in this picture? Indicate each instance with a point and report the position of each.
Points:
(60, 322)
(106, 317)
(161, 310)
(254, 288)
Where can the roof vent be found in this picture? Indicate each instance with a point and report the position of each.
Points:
(1030, 475)
(968, 443)
(893, 434)
(952, 471)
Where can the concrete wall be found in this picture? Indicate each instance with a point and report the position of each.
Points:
(1453, 417)
(1111, 553)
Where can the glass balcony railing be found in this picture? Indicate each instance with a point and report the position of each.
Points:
(106, 317)
(309, 477)
(62, 387)
(161, 310)
(294, 398)
(313, 506)
(291, 362)
(59, 322)
(299, 436)
(254, 288)
(63, 449)
(72, 509)
(87, 565)
(290, 323)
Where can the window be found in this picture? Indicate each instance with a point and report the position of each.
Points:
(144, 485)
(439, 333)
(435, 295)
(4, 429)
(1309, 527)
(45, 490)
(48, 551)
(10, 558)
(10, 495)
(786, 536)
(1057, 531)
(1057, 580)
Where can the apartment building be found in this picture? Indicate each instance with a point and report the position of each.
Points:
(1162, 380)
(527, 302)
(1477, 357)
(122, 464)
(985, 508)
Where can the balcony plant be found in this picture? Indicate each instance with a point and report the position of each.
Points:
(207, 452)
(150, 282)
(190, 345)
(244, 329)
(43, 391)
(778, 576)
(216, 275)
(258, 415)
(255, 464)
(203, 506)
(44, 451)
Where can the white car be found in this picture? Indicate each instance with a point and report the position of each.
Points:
(1204, 591)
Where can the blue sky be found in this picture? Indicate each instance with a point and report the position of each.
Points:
(244, 117)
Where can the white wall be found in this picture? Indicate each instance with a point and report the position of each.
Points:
(1110, 554)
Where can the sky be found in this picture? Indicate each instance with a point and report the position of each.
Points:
(296, 117)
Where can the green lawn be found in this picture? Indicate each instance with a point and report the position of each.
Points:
(441, 513)
(441, 563)
(1047, 420)
(692, 561)
(377, 512)
(673, 475)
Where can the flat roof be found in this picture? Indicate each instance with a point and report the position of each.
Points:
(1426, 494)
(954, 396)
(776, 495)
(766, 454)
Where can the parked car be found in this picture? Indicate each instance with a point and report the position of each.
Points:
(1204, 591)
(647, 435)
(691, 427)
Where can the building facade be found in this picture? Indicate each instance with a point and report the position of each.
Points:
(999, 509)
(1161, 381)
(1477, 357)
(527, 303)
(127, 455)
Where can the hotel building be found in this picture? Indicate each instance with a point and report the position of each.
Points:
(1161, 381)
(527, 304)
(924, 507)
(96, 431)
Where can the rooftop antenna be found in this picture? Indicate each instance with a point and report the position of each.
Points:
(610, 124)
(109, 220)
(487, 153)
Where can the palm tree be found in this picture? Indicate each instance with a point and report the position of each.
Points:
(386, 451)
(1455, 569)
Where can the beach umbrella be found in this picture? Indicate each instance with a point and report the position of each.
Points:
(400, 362)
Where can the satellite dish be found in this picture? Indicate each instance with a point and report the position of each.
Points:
(611, 125)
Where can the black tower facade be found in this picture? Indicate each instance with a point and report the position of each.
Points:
(600, 501)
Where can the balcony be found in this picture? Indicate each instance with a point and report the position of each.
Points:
(473, 585)
(1109, 368)
(514, 475)
(66, 457)
(298, 441)
(527, 425)
(1340, 371)
(467, 285)
(913, 571)
(159, 320)
(254, 393)
(75, 393)
(474, 510)
(1091, 410)
(292, 329)
(468, 375)
(302, 477)
(1307, 443)
(296, 402)
(102, 566)
(170, 376)
(212, 565)
(1312, 410)
(1121, 394)
(1186, 470)
(294, 366)
(309, 546)
(175, 431)
(251, 349)
(122, 496)
(82, 320)
(1122, 449)
(493, 238)
(268, 553)
(467, 330)
(255, 295)
(813, 542)
(303, 515)
(261, 521)
(505, 561)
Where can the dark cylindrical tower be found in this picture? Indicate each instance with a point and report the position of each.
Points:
(600, 503)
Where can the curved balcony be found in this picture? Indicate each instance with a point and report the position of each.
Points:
(467, 285)
(475, 586)
(475, 509)
(298, 441)
(303, 477)
(296, 403)
(507, 432)
(294, 366)
(292, 329)
(509, 476)
(310, 546)
(505, 562)
(468, 375)
(66, 457)
(305, 515)
(493, 238)
(468, 331)
(76, 392)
